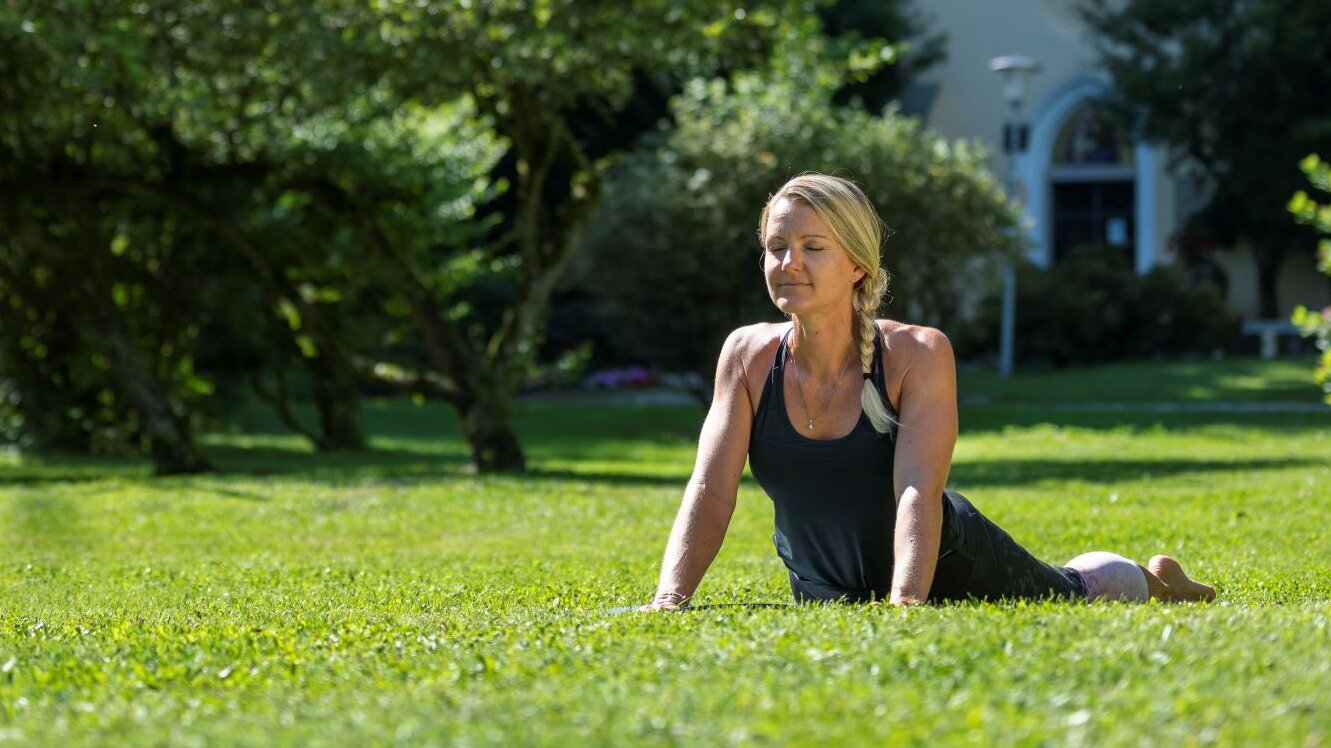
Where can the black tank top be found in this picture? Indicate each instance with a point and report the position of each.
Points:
(834, 499)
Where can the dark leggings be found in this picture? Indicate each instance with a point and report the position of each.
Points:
(978, 560)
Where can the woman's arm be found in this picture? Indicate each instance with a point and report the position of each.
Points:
(925, 440)
(709, 498)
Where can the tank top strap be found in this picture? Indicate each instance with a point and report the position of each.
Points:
(775, 386)
(879, 375)
(773, 395)
(779, 362)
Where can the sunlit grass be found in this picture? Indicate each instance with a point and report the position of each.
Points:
(392, 596)
(1230, 380)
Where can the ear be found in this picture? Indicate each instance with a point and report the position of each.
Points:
(857, 276)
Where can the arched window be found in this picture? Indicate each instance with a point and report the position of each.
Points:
(1089, 137)
(1093, 185)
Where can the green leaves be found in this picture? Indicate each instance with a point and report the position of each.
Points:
(1237, 88)
(1306, 209)
(299, 178)
(1314, 324)
(693, 195)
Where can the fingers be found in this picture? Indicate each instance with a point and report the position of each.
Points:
(666, 601)
(669, 600)
(653, 607)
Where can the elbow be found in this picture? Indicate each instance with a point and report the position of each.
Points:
(710, 496)
(920, 508)
(921, 498)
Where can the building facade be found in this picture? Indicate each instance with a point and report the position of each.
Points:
(1081, 180)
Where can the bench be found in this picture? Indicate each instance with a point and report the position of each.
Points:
(1269, 331)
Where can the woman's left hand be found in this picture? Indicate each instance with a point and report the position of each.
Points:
(899, 602)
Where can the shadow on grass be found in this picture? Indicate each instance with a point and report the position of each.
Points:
(414, 466)
(38, 476)
(976, 419)
(1018, 472)
(405, 465)
(615, 479)
(378, 462)
(235, 493)
(48, 468)
(399, 465)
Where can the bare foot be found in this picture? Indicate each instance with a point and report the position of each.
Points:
(1167, 570)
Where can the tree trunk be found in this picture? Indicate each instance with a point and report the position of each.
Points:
(169, 438)
(494, 444)
(338, 403)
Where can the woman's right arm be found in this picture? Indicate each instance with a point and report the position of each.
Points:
(709, 498)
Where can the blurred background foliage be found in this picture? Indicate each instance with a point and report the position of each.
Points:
(309, 203)
(674, 246)
(1091, 307)
(208, 203)
(1238, 91)
(1306, 210)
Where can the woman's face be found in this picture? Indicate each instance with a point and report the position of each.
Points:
(806, 269)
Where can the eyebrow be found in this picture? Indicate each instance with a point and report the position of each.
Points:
(801, 236)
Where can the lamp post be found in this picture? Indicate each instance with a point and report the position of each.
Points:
(1016, 71)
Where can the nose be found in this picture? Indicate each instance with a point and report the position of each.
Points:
(793, 258)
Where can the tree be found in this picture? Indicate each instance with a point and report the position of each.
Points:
(84, 282)
(915, 47)
(1239, 90)
(183, 171)
(674, 247)
(1318, 215)
(535, 70)
(255, 123)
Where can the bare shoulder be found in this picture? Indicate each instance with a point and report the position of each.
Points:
(746, 357)
(913, 340)
(753, 345)
(914, 348)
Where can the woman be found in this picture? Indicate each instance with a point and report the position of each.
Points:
(848, 424)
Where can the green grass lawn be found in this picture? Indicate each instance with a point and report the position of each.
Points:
(390, 596)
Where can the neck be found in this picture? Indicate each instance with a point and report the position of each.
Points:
(822, 343)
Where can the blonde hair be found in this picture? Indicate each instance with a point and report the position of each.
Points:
(855, 225)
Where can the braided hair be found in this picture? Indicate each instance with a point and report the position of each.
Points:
(855, 225)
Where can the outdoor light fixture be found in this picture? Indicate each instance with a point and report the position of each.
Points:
(1016, 72)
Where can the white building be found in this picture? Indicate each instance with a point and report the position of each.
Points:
(1080, 180)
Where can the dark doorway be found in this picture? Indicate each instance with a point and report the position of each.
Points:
(1098, 213)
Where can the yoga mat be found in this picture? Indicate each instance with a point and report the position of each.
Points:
(705, 606)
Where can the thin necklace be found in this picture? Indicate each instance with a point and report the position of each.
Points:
(799, 388)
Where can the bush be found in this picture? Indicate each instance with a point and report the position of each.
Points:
(1091, 308)
(674, 247)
